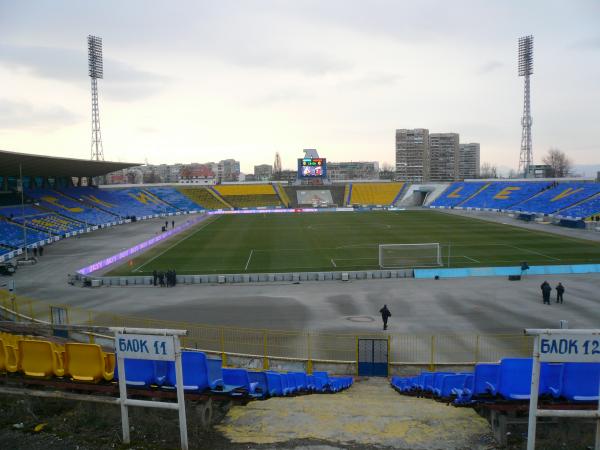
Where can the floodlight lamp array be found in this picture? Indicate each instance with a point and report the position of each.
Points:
(525, 56)
(96, 69)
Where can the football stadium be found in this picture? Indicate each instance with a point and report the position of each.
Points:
(437, 303)
(309, 268)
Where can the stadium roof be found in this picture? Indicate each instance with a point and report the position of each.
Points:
(52, 166)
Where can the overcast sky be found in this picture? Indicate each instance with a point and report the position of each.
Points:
(197, 81)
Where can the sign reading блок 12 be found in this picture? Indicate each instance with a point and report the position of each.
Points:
(142, 346)
(569, 348)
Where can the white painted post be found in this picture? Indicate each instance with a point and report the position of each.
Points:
(123, 398)
(180, 395)
(533, 396)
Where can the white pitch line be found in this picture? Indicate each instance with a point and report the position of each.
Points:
(472, 259)
(333, 263)
(532, 251)
(249, 258)
(137, 269)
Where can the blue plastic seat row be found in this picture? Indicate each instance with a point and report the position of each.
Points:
(508, 380)
(202, 374)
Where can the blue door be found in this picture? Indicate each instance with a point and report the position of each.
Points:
(373, 357)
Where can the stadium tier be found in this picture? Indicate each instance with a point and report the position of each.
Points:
(40, 220)
(562, 196)
(204, 198)
(121, 202)
(585, 209)
(375, 193)
(174, 198)
(65, 206)
(12, 236)
(248, 196)
(489, 195)
(506, 381)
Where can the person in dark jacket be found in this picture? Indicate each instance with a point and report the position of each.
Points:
(546, 290)
(385, 315)
(172, 224)
(560, 290)
(155, 277)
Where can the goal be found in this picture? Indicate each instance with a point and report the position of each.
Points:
(402, 256)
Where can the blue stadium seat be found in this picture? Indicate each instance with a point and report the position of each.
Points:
(300, 379)
(504, 194)
(174, 198)
(457, 193)
(138, 372)
(239, 377)
(587, 208)
(449, 383)
(262, 384)
(581, 381)
(274, 384)
(436, 382)
(195, 372)
(485, 378)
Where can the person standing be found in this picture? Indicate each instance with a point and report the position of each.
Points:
(560, 290)
(546, 290)
(155, 276)
(385, 315)
(172, 224)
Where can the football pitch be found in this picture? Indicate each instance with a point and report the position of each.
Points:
(302, 242)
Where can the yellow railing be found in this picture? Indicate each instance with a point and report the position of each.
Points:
(306, 346)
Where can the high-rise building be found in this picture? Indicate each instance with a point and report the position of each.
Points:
(263, 172)
(412, 155)
(353, 170)
(444, 157)
(228, 170)
(469, 161)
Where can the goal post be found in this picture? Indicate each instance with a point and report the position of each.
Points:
(403, 256)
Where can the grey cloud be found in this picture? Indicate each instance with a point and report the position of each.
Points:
(490, 66)
(123, 82)
(18, 114)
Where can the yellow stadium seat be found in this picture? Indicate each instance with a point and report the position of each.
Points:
(39, 359)
(87, 362)
(8, 357)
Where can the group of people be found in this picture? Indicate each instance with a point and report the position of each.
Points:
(38, 251)
(164, 279)
(547, 290)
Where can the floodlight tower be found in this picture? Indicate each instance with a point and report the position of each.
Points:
(526, 70)
(95, 71)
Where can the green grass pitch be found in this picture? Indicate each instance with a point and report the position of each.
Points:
(298, 242)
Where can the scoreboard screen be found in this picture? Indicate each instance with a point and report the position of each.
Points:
(312, 167)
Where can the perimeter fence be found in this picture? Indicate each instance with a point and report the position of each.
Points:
(308, 347)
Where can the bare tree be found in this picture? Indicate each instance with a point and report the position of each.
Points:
(387, 171)
(559, 162)
(488, 170)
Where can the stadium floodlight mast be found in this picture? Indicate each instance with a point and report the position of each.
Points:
(95, 71)
(526, 70)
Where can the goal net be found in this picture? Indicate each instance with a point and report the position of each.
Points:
(401, 256)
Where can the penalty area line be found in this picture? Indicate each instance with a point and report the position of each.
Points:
(333, 263)
(249, 258)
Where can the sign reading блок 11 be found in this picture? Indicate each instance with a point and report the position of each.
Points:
(142, 346)
(569, 348)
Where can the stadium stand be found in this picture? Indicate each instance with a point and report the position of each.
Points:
(173, 198)
(120, 202)
(504, 194)
(506, 381)
(584, 209)
(247, 196)
(375, 193)
(562, 196)
(59, 203)
(457, 193)
(38, 357)
(40, 220)
(203, 197)
(283, 197)
(12, 236)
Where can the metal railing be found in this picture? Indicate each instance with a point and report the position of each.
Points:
(305, 346)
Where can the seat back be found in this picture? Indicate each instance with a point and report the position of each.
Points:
(236, 377)
(551, 379)
(138, 372)
(39, 359)
(449, 382)
(580, 381)
(300, 380)
(438, 377)
(483, 374)
(274, 383)
(262, 383)
(514, 379)
(215, 372)
(195, 371)
(85, 362)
